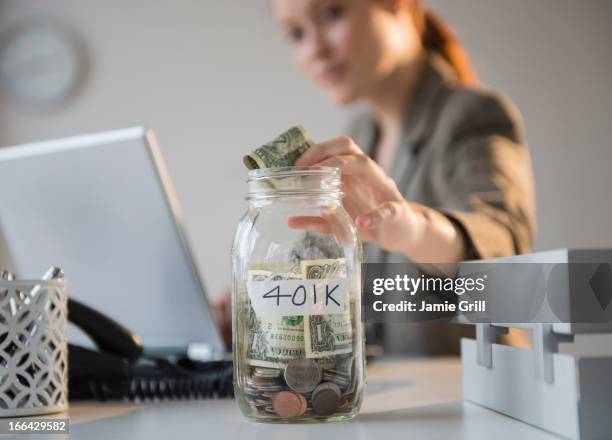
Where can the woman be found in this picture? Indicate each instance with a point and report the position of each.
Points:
(436, 171)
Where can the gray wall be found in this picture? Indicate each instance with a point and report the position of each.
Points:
(213, 79)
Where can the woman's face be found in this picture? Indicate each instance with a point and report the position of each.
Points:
(346, 46)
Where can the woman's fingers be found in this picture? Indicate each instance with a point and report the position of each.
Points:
(367, 171)
(311, 223)
(358, 165)
(343, 153)
(330, 222)
(337, 146)
(385, 212)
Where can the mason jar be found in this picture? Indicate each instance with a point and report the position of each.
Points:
(298, 338)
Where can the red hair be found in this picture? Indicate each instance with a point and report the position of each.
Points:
(438, 38)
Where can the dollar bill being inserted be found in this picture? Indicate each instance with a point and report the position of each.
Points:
(327, 335)
(276, 340)
(282, 151)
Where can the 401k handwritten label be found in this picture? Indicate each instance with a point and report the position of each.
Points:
(299, 297)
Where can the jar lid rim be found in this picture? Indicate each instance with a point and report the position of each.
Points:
(266, 173)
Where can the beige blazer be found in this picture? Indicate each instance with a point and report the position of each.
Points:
(462, 151)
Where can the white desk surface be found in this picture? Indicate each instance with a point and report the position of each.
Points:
(415, 399)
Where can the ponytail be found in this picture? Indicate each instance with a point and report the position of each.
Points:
(438, 38)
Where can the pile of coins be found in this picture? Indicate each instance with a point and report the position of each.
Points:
(303, 388)
(261, 386)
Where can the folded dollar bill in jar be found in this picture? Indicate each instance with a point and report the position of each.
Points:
(282, 151)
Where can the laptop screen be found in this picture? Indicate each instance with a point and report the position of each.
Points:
(101, 207)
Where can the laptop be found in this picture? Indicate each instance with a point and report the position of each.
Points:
(101, 207)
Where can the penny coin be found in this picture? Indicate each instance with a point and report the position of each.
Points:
(288, 404)
(304, 406)
(344, 405)
(302, 375)
(326, 398)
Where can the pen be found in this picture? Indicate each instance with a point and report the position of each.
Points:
(9, 276)
(52, 273)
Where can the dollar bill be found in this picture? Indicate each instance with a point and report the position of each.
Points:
(274, 341)
(323, 268)
(327, 335)
(282, 151)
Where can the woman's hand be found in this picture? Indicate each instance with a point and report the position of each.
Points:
(422, 234)
(371, 197)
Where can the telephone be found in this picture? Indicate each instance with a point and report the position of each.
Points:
(119, 369)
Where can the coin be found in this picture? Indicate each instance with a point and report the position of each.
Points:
(326, 398)
(266, 372)
(304, 406)
(344, 405)
(289, 404)
(262, 384)
(339, 378)
(302, 375)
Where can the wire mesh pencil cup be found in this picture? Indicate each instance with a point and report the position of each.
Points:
(33, 347)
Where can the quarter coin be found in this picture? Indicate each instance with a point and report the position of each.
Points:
(302, 375)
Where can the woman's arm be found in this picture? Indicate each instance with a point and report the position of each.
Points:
(486, 190)
(485, 182)
(422, 234)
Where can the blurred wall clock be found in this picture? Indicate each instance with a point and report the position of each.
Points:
(42, 63)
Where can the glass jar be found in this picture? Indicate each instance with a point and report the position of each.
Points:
(298, 339)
